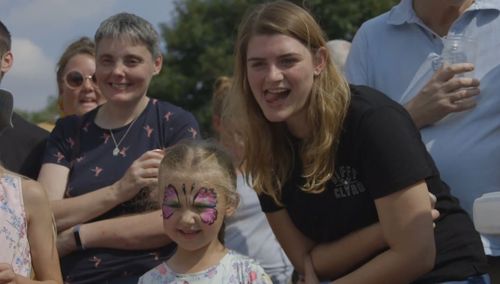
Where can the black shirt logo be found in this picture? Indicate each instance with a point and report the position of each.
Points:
(345, 183)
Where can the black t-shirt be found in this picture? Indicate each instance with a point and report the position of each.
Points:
(380, 152)
(21, 147)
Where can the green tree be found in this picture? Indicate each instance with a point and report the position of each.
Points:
(200, 41)
(342, 18)
(49, 114)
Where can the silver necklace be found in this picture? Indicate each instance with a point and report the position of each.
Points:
(116, 150)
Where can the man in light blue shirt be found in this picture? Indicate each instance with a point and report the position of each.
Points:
(399, 53)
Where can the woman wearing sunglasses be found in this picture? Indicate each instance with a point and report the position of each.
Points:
(100, 168)
(78, 92)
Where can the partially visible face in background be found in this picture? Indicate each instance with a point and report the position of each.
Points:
(79, 91)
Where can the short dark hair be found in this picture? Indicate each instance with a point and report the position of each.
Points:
(5, 39)
(130, 27)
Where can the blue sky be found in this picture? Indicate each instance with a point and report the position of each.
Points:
(41, 29)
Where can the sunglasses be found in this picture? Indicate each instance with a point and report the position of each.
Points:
(75, 79)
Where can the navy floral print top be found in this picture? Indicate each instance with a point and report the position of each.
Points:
(87, 149)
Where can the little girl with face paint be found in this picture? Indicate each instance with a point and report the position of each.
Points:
(197, 190)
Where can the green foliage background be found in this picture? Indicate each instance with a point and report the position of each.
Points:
(199, 41)
(48, 114)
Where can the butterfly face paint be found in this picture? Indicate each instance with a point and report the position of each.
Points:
(170, 201)
(205, 200)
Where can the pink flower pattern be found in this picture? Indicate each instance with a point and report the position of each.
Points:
(97, 171)
(105, 136)
(233, 268)
(86, 127)
(14, 244)
(59, 157)
(194, 132)
(168, 115)
(149, 130)
(123, 151)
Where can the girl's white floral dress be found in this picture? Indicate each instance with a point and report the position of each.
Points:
(14, 246)
(233, 268)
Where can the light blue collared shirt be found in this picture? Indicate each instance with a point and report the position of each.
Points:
(397, 54)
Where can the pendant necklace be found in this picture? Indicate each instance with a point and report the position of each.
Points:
(116, 150)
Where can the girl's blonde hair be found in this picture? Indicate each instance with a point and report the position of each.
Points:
(269, 153)
(203, 161)
(228, 136)
(221, 89)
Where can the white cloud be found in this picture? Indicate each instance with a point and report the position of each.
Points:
(31, 77)
(43, 28)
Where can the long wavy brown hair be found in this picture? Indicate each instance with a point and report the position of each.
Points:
(269, 153)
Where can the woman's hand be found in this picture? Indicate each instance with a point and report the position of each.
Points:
(434, 212)
(142, 173)
(7, 275)
(310, 276)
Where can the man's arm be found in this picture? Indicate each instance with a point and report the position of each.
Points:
(445, 93)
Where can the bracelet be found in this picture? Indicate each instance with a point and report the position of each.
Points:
(78, 240)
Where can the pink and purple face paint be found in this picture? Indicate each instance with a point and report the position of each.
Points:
(204, 202)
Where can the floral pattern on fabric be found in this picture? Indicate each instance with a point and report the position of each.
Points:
(232, 269)
(14, 245)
